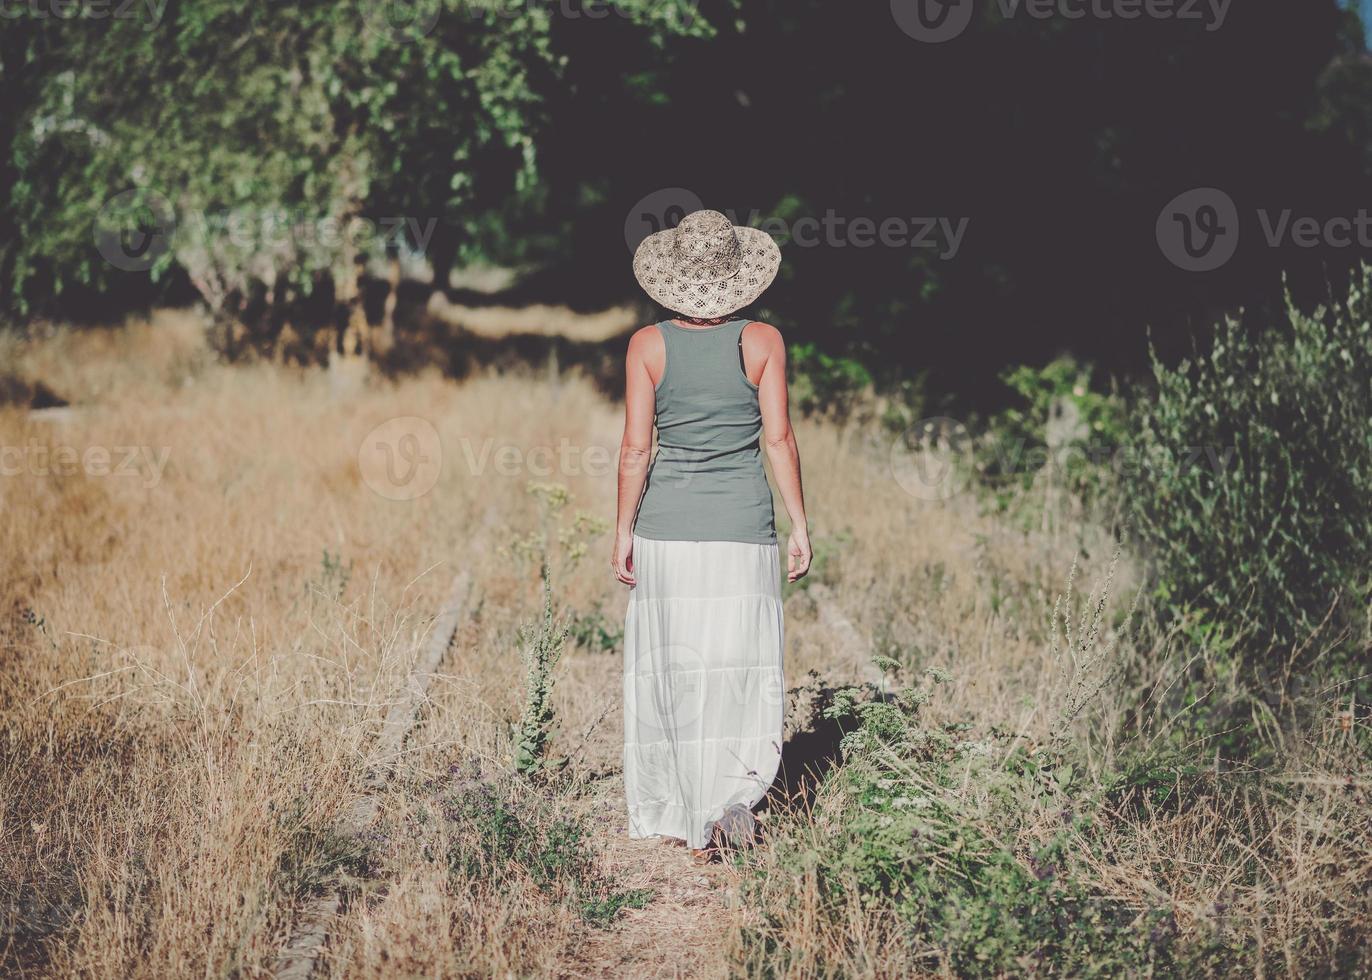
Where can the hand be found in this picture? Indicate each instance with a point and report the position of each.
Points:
(623, 560)
(798, 555)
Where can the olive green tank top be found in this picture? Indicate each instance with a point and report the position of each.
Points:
(706, 482)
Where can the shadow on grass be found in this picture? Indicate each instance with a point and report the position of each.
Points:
(814, 734)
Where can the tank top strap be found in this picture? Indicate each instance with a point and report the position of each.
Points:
(665, 328)
(738, 352)
(669, 354)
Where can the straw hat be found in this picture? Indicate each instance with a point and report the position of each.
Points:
(705, 267)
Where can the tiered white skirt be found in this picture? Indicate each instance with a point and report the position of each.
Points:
(703, 686)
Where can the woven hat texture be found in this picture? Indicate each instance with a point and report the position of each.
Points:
(705, 267)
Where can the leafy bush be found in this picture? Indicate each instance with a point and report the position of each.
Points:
(1060, 405)
(596, 632)
(1062, 422)
(1250, 472)
(1093, 846)
(978, 845)
(822, 384)
(501, 832)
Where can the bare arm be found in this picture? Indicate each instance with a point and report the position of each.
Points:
(782, 451)
(635, 447)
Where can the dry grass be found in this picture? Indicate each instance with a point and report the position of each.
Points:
(539, 319)
(195, 659)
(196, 654)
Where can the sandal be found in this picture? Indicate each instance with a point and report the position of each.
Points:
(712, 852)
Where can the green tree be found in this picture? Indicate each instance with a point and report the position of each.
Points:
(265, 148)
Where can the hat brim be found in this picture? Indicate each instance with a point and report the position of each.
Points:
(657, 274)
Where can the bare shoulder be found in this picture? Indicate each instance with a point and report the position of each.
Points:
(764, 338)
(646, 341)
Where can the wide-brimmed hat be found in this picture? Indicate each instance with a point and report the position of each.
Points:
(705, 267)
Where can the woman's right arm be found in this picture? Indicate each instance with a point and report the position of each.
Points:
(782, 451)
(635, 448)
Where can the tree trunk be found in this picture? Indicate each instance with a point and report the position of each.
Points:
(350, 317)
(353, 347)
(383, 337)
(348, 359)
(442, 255)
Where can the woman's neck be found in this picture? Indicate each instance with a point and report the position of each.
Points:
(696, 321)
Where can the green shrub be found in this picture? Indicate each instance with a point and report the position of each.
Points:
(1060, 405)
(501, 832)
(822, 384)
(978, 845)
(596, 632)
(1249, 476)
(1062, 422)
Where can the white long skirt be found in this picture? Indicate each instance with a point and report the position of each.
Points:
(703, 686)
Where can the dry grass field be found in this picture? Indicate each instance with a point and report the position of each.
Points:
(213, 588)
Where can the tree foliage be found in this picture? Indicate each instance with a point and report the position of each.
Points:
(524, 132)
(258, 146)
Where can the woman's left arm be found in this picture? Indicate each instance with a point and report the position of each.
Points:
(635, 448)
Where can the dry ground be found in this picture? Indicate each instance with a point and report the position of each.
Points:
(201, 636)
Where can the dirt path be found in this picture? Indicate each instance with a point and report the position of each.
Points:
(682, 930)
